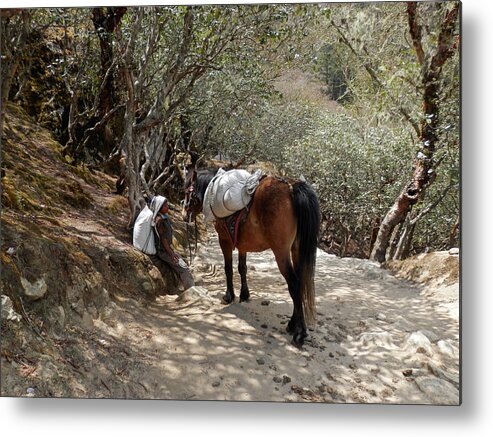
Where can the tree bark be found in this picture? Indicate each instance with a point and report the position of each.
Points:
(105, 23)
(424, 171)
(13, 38)
(405, 240)
(129, 148)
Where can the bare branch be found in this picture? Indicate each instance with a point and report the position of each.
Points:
(415, 31)
(369, 69)
(432, 206)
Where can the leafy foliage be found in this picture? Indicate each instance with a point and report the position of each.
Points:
(357, 171)
(215, 81)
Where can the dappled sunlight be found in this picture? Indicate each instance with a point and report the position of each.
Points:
(196, 348)
(202, 349)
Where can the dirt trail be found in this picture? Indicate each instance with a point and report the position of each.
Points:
(379, 339)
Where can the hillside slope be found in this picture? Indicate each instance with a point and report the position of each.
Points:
(66, 254)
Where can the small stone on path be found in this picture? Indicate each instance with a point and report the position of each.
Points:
(440, 391)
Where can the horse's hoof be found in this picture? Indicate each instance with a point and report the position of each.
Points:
(290, 328)
(245, 294)
(296, 343)
(227, 299)
(299, 339)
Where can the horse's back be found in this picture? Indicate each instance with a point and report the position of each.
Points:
(271, 221)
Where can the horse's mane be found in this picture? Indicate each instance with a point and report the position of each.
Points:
(204, 176)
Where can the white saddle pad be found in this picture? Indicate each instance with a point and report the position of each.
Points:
(228, 192)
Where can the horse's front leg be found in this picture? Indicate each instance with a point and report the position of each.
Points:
(227, 249)
(242, 268)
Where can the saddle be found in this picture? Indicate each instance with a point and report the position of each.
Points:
(229, 192)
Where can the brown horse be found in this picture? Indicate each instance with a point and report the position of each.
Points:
(284, 216)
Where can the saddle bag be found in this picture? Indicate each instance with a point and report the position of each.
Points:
(143, 234)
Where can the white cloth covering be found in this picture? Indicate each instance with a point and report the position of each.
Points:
(228, 192)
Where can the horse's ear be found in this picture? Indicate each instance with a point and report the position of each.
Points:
(199, 161)
(190, 174)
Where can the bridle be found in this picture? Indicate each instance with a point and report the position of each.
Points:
(191, 199)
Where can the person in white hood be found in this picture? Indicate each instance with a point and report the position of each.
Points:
(164, 230)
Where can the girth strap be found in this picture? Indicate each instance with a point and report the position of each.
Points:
(232, 224)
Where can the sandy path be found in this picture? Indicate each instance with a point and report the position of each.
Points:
(366, 347)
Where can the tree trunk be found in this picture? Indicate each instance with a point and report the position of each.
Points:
(394, 239)
(105, 22)
(453, 233)
(13, 38)
(404, 245)
(129, 146)
(424, 171)
(395, 216)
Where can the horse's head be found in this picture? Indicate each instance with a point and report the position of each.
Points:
(196, 182)
(192, 205)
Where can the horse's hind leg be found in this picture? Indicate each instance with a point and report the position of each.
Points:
(227, 249)
(242, 268)
(296, 325)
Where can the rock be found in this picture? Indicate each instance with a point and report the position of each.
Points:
(93, 311)
(442, 374)
(381, 339)
(78, 307)
(8, 312)
(446, 348)
(380, 316)
(286, 379)
(104, 298)
(431, 335)
(201, 267)
(265, 303)
(260, 361)
(199, 280)
(418, 342)
(36, 290)
(60, 316)
(87, 321)
(108, 311)
(454, 251)
(402, 324)
(370, 269)
(439, 391)
(194, 293)
(47, 370)
(147, 286)
(414, 373)
(216, 384)
(277, 379)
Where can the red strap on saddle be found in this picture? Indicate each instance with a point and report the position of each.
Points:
(232, 225)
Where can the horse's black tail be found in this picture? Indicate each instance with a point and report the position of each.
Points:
(307, 210)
